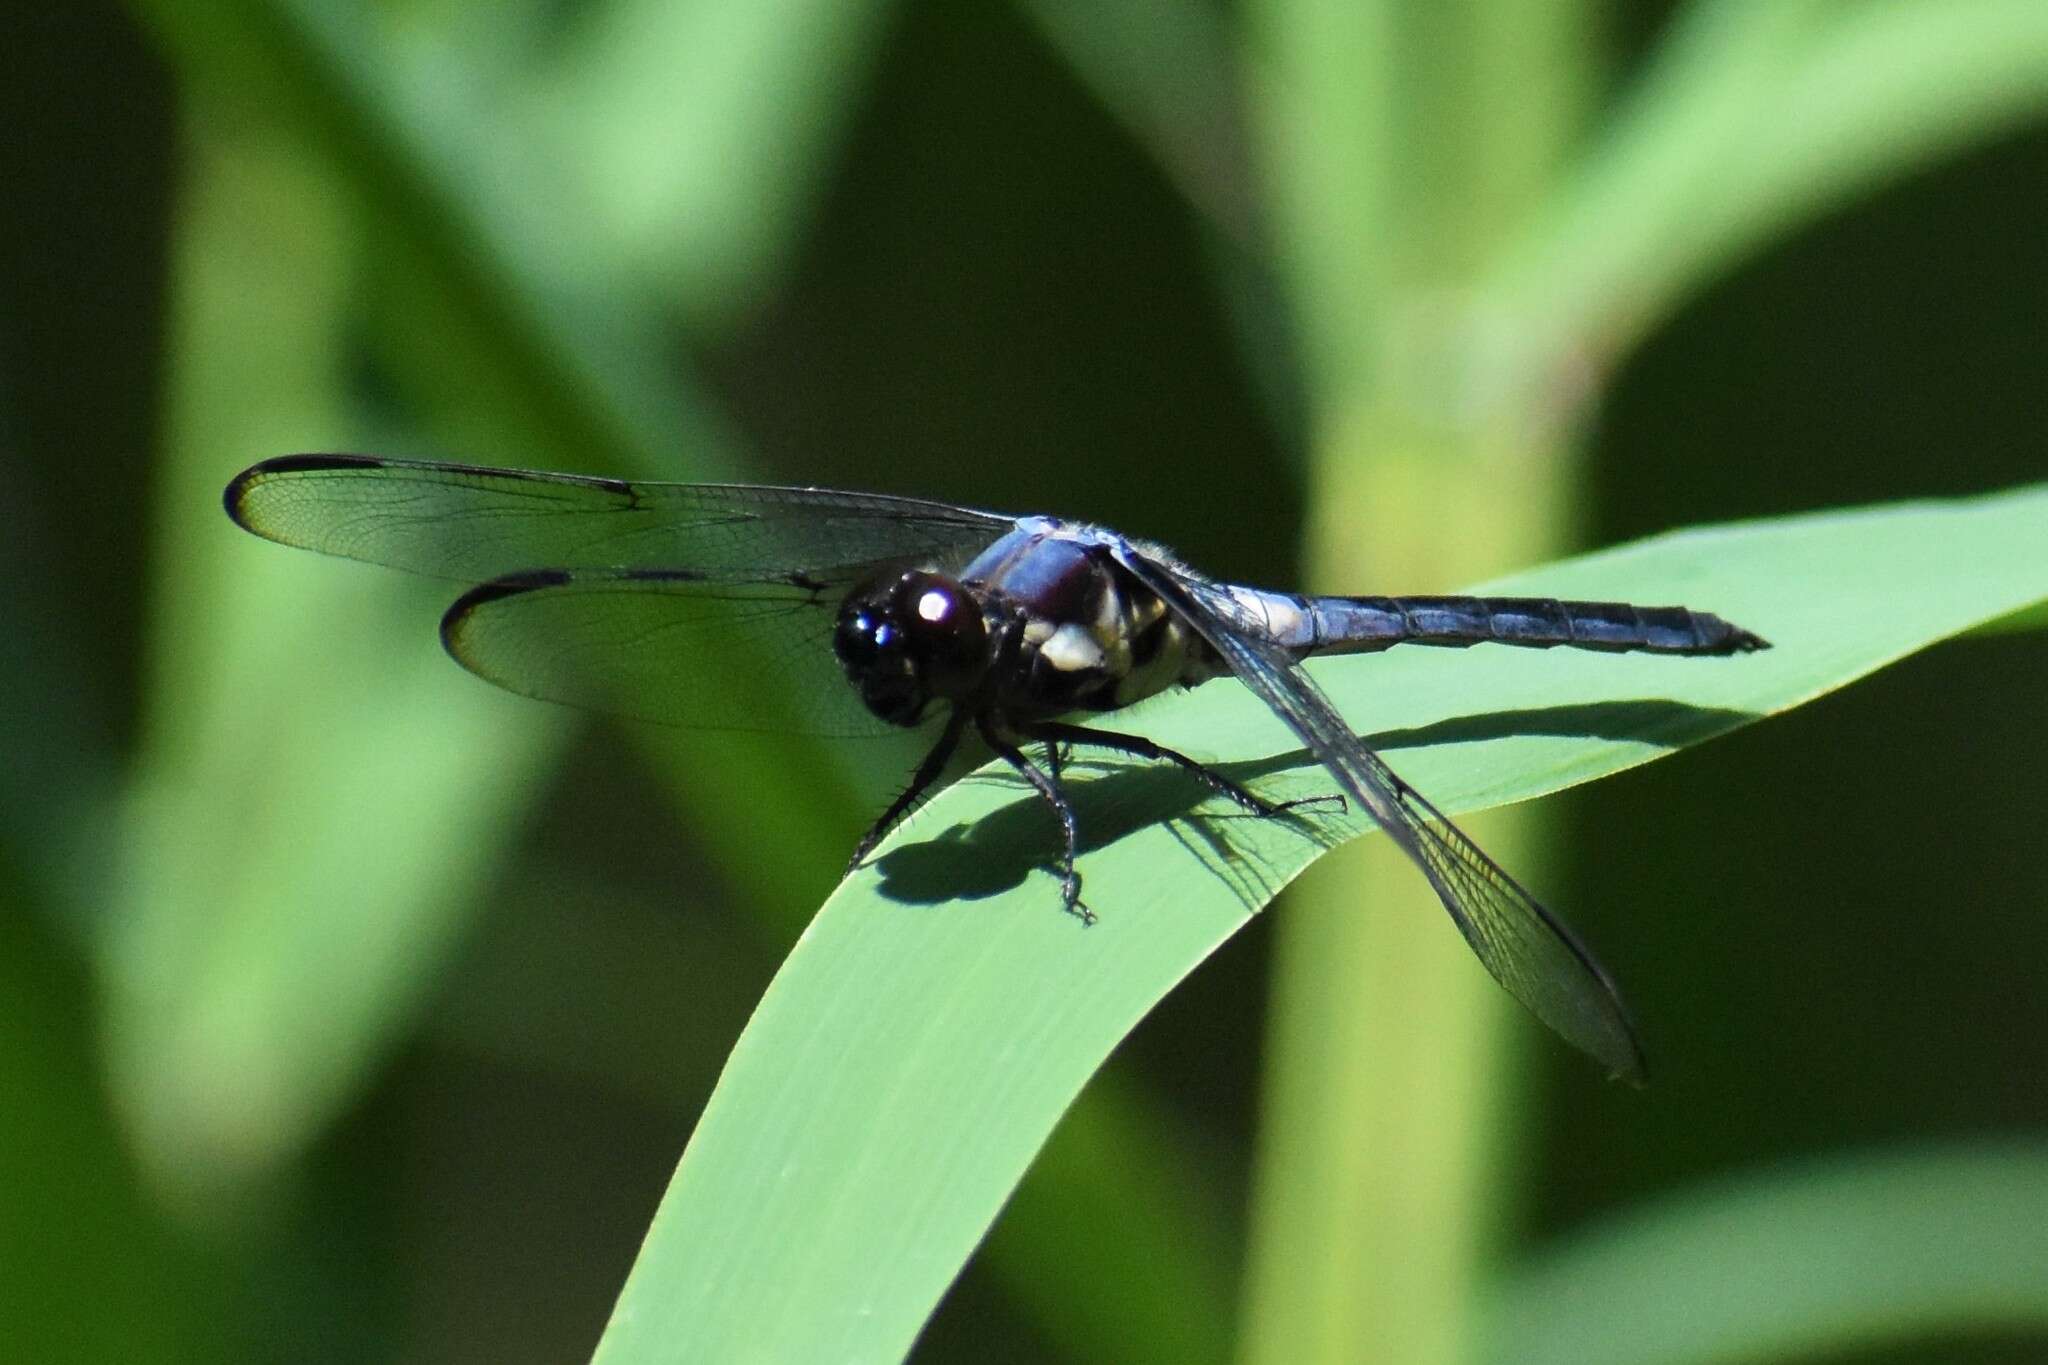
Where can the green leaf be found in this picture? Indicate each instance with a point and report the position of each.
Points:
(234, 892)
(1168, 74)
(1813, 1260)
(657, 102)
(941, 1013)
(1754, 119)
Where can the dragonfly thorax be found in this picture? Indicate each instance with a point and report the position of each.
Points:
(1077, 631)
(907, 640)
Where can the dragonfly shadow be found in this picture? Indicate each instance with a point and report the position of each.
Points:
(998, 852)
(1650, 720)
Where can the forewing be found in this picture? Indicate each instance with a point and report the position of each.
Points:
(663, 647)
(473, 524)
(1526, 948)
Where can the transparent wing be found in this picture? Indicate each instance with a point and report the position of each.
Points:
(473, 524)
(663, 647)
(1526, 948)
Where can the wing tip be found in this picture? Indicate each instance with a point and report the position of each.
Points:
(235, 497)
(495, 590)
(1634, 1071)
(462, 611)
(1615, 1044)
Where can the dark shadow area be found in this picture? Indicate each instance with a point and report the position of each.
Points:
(1673, 724)
(998, 852)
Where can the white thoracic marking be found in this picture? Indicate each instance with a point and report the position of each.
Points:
(1167, 665)
(1112, 614)
(1072, 649)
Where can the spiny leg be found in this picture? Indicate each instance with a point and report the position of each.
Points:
(1137, 746)
(927, 773)
(1049, 788)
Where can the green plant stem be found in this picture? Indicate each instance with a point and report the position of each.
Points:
(1409, 143)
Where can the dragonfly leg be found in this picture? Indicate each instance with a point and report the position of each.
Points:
(1048, 786)
(1137, 746)
(920, 781)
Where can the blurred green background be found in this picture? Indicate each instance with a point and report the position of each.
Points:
(353, 1011)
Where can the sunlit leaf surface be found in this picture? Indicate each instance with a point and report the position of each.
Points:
(941, 1013)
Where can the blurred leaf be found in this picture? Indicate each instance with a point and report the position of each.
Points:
(211, 1025)
(940, 1014)
(1822, 1259)
(1168, 74)
(579, 352)
(92, 1272)
(1320, 79)
(303, 855)
(660, 104)
(59, 777)
(1756, 117)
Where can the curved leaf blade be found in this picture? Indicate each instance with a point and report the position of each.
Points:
(940, 1013)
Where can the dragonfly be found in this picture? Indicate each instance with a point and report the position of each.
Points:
(889, 612)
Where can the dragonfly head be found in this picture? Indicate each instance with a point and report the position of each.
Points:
(909, 639)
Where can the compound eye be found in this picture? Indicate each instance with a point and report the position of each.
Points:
(863, 636)
(851, 639)
(947, 633)
(880, 650)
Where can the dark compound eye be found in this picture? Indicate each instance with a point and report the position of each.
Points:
(863, 636)
(945, 632)
(910, 639)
